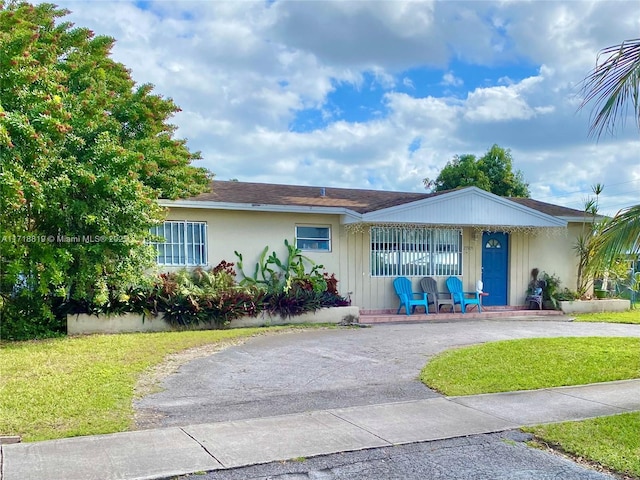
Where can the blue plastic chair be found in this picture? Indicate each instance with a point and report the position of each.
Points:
(460, 297)
(402, 286)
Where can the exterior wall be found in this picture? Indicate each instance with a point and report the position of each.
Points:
(548, 252)
(551, 253)
(249, 233)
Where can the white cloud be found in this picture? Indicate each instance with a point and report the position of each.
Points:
(505, 103)
(450, 79)
(242, 71)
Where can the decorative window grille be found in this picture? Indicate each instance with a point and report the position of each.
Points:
(185, 243)
(415, 252)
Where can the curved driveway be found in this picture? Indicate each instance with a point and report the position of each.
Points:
(320, 369)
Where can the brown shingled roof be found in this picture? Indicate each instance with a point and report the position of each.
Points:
(361, 201)
(548, 208)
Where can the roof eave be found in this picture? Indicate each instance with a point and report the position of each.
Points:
(349, 215)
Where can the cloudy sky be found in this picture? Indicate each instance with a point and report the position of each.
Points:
(381, 94)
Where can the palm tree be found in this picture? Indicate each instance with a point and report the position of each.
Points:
(611, 87)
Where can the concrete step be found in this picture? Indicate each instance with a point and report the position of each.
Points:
(372, 317)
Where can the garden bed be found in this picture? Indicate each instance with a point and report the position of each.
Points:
(83, 323)
(595, 306)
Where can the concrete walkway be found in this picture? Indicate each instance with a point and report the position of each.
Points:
(162, 453)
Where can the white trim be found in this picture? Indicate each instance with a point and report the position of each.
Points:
(313, 225)
(587, 219)
(350, 215)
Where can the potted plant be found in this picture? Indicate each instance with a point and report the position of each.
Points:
(550, 293)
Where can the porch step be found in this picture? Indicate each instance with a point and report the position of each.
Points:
(382, 316)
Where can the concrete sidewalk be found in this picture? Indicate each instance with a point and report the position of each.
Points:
(162, 453)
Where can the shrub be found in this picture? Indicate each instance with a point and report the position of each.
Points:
(567, 295)
(200, 296)
(188, 297)
(551, 291)
(25, 318)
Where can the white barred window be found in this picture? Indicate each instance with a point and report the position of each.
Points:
(185, 243)
(415, 252)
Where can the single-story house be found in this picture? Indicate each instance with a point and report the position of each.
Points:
(369, 237)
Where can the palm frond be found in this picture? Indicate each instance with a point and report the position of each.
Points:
(620, 236)
(613, 84)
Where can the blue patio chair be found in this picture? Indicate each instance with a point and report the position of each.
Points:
(460, 297)
(402, 286)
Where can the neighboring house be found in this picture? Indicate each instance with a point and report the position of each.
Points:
(369, 237)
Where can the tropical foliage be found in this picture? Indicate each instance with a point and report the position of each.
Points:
(611, 87)
(584, 245)
(191, 297)
(84, 155)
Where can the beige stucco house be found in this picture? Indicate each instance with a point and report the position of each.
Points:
(369, 237)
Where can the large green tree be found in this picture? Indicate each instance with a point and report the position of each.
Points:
(611, 88)
(84, 155)
(492, 172)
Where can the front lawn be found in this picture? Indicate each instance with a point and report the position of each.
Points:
(630, 316)
(613, 442)
(85, 385)
(533, 363)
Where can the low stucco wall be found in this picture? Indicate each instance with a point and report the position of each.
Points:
(131, 322)
(324, 315)
(595, 306)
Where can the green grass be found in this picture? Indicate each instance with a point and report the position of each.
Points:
(85, 385)
(630, 316)
(610, 441)
(532, 363)
(613, 442)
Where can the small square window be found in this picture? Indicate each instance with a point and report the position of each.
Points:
(313, 238)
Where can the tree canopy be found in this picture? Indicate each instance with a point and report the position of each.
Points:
(492, 172)
(84, 155)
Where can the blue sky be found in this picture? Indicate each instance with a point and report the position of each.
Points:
(382, 94)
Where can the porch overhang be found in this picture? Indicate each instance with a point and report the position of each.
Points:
(469, 207)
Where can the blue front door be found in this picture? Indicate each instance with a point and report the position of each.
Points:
(495, 265)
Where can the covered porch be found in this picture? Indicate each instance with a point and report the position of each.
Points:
(468, 233)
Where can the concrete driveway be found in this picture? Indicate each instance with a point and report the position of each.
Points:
(320, 369)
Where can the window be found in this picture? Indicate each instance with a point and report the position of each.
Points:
(185, 243)
(313, 238)
(397, 251)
